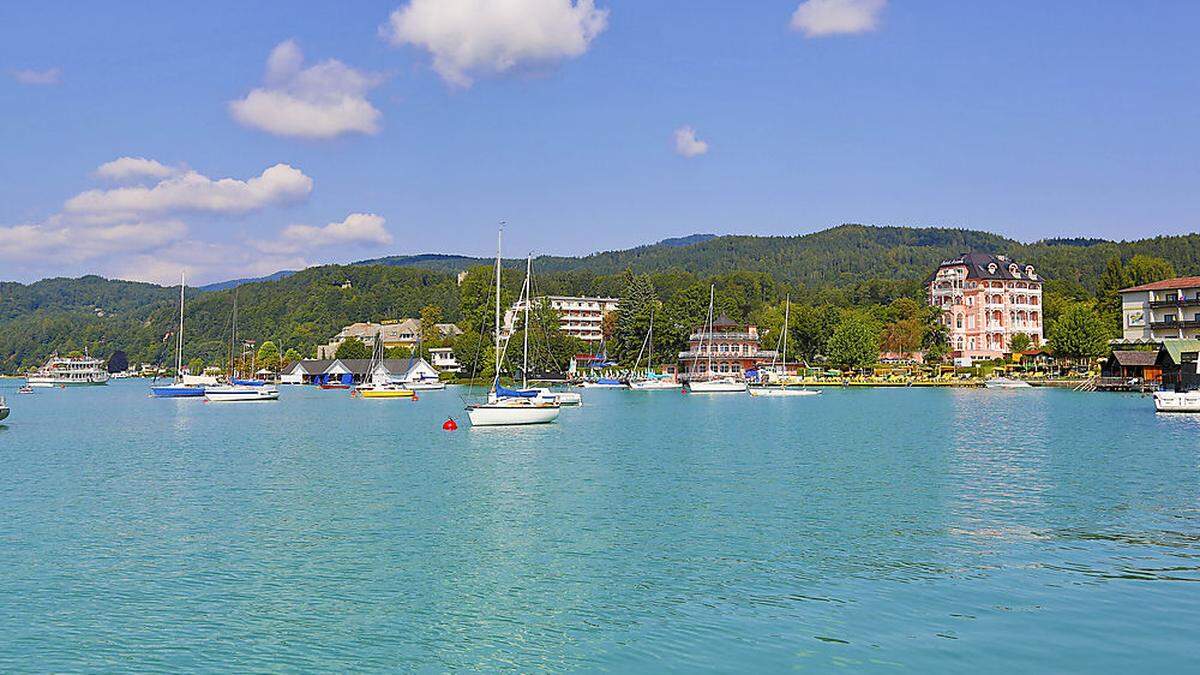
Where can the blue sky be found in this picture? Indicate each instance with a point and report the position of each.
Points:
(1030, 119)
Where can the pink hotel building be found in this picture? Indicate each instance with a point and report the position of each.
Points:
(986, 299)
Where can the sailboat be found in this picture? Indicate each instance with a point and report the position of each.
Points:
(378, 384)
(178, 388)
(509, 407)
(239, 389)
(711, 383)
(650, 381)
(769, 389)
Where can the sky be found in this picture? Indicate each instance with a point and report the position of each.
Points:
(234, 139)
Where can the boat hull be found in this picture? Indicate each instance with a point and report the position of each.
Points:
(232, 394)
(1172, 401)
(716, 387)
(46, 382)
(1006, 383)
(177, 391)
(653, 385)
(497, 415)
(781, 392)
(394, 393)
(3, 412)
(425, 386)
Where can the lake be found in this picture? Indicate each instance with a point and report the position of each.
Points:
(875, 529)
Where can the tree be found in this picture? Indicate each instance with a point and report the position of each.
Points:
(1079, 333)
(398, 352)
(292, 356)
(196, 365)
(431, 316)
(1020, 342)
(118, 362)
(855, 342)
(268, 356)
(633, 318)
(352, 348)
(811, 329)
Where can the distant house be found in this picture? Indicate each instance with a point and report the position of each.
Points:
(579, 317)
(404, 333)
(443, 359)
(729, 349)
(318, 371)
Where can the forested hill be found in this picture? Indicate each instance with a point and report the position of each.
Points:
(850, 264)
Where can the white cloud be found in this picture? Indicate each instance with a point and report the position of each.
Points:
(124, 168)
(203, 262)
(192, 192)
(65, 241)
(686, 143)
(471, 37)
(38, 77)
(322, 101)
(357, 228)
(819, 18)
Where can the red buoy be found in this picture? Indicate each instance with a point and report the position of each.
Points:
(449, 425)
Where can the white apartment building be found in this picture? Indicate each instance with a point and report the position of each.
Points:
(580, 317)
(1161, 310)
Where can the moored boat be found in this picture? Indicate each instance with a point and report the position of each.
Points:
(69, 371)
(723, 385)
(710, 382)
(180, 388)
(3, 409)
(512, 407)
(1177, 401)
(236, 392)
(603, 383)
(1005, 383)
(781, 390)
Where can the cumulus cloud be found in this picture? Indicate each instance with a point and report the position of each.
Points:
(192, 192)
(125, 168)
(471, 37)
(322, 101)
(38, 77)
(686, 143)
(73, 242)
(356, 228)
(203, 262)
(819, 18)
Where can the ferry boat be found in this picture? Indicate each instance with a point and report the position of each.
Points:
(1177, 401)
(69, 371)
(3, 409)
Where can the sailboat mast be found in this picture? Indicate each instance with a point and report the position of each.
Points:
(650, 339)
(712, 294)
(499, 234)
(179, 338)
(787, 308)
(525, 354)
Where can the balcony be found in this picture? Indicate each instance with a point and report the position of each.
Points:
(1164, 325)
(719, 336)
(1182, 302)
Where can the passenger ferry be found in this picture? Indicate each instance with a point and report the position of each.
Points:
(69, 371)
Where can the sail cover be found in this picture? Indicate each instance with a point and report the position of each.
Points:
(515, 393)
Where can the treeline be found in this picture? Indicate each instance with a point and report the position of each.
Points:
(850, 270)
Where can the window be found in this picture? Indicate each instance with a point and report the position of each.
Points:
(1168, 318)
(971, 321)
(958, 323)
(970, 301)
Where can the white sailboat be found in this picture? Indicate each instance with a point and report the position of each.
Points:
(238, 389)
(710, 383)
(510, 407)
(781, 390)
(650, 381)
(180, 387)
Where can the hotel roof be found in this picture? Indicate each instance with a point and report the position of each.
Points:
(979, 267)
(1166, 285)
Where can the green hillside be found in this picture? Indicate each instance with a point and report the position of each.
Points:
(850, 265)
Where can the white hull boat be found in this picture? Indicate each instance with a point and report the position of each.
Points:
(425, 385)
(653, 385)
(1005, 383)
(725, 385)
(241, 393)
(1177, 401)
(603, 385)
(505, 412)
(777, 391)
(3, 409)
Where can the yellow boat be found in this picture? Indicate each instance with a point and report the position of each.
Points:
(384, 391)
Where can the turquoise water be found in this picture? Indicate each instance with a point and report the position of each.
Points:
(889, 530)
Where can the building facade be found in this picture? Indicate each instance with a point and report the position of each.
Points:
(985, 301)
(1161, 310)
(580, 317)
(404, 333)
(730, 349)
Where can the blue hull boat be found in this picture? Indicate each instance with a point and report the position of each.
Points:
(177, 391)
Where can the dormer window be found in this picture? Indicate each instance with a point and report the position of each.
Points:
(991, 268)
(1029, 272)
(1012, 269)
